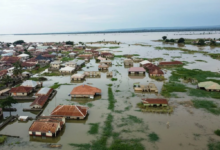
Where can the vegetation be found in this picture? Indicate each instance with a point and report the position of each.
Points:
(39, 69)
(132, 119)
(170, 87)
(66, 59)
(2, 139)
(114, 79)
(6, 80)
(199, 75)
(164, 37)
(153, 137)
(38, 79)
(132, 144)
(51, 74)
(94, 128)
(209, 106)
(111, 99)
(181, 40)
(215, 56)
(114, 47)
(180, 49)
(17, 68)
(214, 146)
(201, 42)
(217, 132)
(69, 42)
(203, 93)
(7, 103)
(18, 42)
(56, 85)
(201, 61)
(161, 109)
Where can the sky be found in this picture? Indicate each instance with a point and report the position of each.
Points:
(46, 16)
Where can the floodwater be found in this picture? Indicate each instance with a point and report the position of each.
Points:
(189, 128)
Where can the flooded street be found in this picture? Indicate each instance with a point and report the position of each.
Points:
(189, 128)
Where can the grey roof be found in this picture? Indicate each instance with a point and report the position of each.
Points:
(29, 83)
(44, 90)
(80, 62)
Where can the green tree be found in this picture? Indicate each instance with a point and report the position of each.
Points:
(17, 68)
(181, 40)
(7, 103)
(18, 42)
(164, 37)
(167, 40)
(172, 40)
(69, 43)
(213, 43)
(6, 80)
(201, 42)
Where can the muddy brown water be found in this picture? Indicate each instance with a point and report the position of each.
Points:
(190, 131)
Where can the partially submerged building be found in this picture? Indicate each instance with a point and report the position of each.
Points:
(85, 91)
(103, 67)
(47, 126)
(107, 62)
(128, 62)
(92, 73)
(77, 77)
(171, 63)
(209, 86)
(39, 102)
(155, 102)
(21, 91)
(67, 70)
(136, 70)
(70, 111)
(55, 64)
(44, 92)
(151, 87)
(31, 83)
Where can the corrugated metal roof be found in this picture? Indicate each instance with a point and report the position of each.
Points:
(209, 85)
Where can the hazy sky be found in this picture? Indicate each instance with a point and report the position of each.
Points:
(40, 16)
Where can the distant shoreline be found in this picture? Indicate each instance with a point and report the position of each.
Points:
(125, 31)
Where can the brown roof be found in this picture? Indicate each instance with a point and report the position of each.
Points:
(156, 71)
(154, 101)
(85, 90)
(3, 72)
(103, 66)
(70, 110)
(41, 100)
(39, 126)
(171, 63)
(10, 59)
(151, 66)
(20, 89)
(24, 64)
(49, 56)
(137, 69)
(51, 119)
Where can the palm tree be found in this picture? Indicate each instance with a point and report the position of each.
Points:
(7, 103)
(17, 68)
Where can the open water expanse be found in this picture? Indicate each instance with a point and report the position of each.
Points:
(189, 128)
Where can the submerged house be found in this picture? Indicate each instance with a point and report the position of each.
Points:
(209, 86)
(78, 77)
(67, 69)
(70, 64)
(70, 111)
(103, 67)
(151, 87)
(85, 91)
(55, 64)
(136, 70)
(155, 102)
(44, 92)
(170, 63)
(20, 91)
(107, 62)
(31, 83)
(47, 126)
(128, 62)
(39, 102)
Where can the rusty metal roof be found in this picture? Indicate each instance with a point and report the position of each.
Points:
(70, 110)
(85, 90)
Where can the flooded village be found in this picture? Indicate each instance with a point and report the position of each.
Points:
(156, 90)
